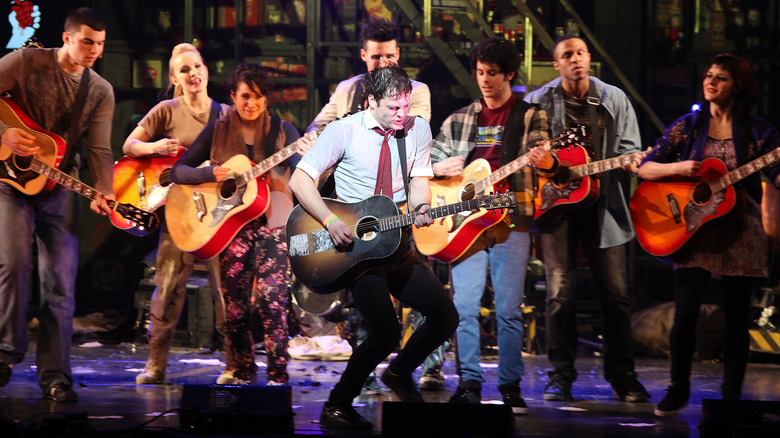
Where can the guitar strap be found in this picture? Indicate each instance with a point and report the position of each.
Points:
(400, 143)
(593, 114)
(270, 140)
(78, 107)
(215, 108)
(514, 130)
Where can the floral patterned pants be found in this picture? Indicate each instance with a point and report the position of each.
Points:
(257, 254)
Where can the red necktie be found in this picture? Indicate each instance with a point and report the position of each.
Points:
(384, 174)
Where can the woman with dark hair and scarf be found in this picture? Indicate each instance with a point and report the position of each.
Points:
(258, 253)
(722, 129)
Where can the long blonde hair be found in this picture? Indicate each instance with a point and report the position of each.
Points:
(178, 50)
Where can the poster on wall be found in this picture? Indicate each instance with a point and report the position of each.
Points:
(25, 20)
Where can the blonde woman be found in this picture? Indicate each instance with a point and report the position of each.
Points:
(168, 127)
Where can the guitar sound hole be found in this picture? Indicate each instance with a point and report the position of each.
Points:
(367, 229)
(562, 177)
(467, 193)
(165, 178)
(228, 188)
(23, 163)
(702, 194)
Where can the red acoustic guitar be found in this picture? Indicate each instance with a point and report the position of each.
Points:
(31, 174)
(572, 186)
(672, 216)
(143, 182)
(449, 237)
(204, 218)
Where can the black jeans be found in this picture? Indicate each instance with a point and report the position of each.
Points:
(690, 286)
(559, 241)
(411, 282)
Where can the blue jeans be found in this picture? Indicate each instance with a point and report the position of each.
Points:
(505, 253)
(608, 267)
(49, 220)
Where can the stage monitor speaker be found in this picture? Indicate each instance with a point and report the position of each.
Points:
(738, 418)
(407, 419)
(236, 410)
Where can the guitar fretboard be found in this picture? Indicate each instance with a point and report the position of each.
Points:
(270, 162)
(570, 136)
(403, 220)
(743, 172)
(63, 179)
(603, 165)
(145, 220)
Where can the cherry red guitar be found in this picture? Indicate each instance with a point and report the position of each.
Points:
(449, 237)
(204, 218)
(572, 186)
(143, 182)
(672, 216)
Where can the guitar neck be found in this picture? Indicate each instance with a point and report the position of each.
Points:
(502, 173)
(518, 163)
(743, 172)
(403, 220)
(271, 162)
(65, 180)
(603, 165)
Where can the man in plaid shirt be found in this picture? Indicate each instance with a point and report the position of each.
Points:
(497, 128)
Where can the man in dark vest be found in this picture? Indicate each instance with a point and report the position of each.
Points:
(498, 127)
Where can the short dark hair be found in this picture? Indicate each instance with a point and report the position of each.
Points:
(390, 81)
(251, 74)
(566, 37)
(86, 16)
(497, 51)
(379, 30)
(746, 85)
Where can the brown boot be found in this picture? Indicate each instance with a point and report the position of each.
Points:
(154, 371)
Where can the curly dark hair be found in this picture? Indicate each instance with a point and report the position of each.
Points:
(379, 30)
(86, 16)
(251, 74)
(745, 83)
(497, 51)
(390, 81)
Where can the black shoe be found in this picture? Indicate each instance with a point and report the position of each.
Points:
(432, 381)
(62, 392)
(343, 417)
(629, 389)
(468, 393)
(402, 385)
(5, 374)
(677, 395)
(512, 397)
(558, 388)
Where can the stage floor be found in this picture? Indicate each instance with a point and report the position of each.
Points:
(111, 402)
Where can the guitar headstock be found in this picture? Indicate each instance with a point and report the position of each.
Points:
(575, 135)
(144, 220)
(498, 201)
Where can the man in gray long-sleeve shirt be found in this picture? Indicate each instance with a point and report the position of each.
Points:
(44, 84)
